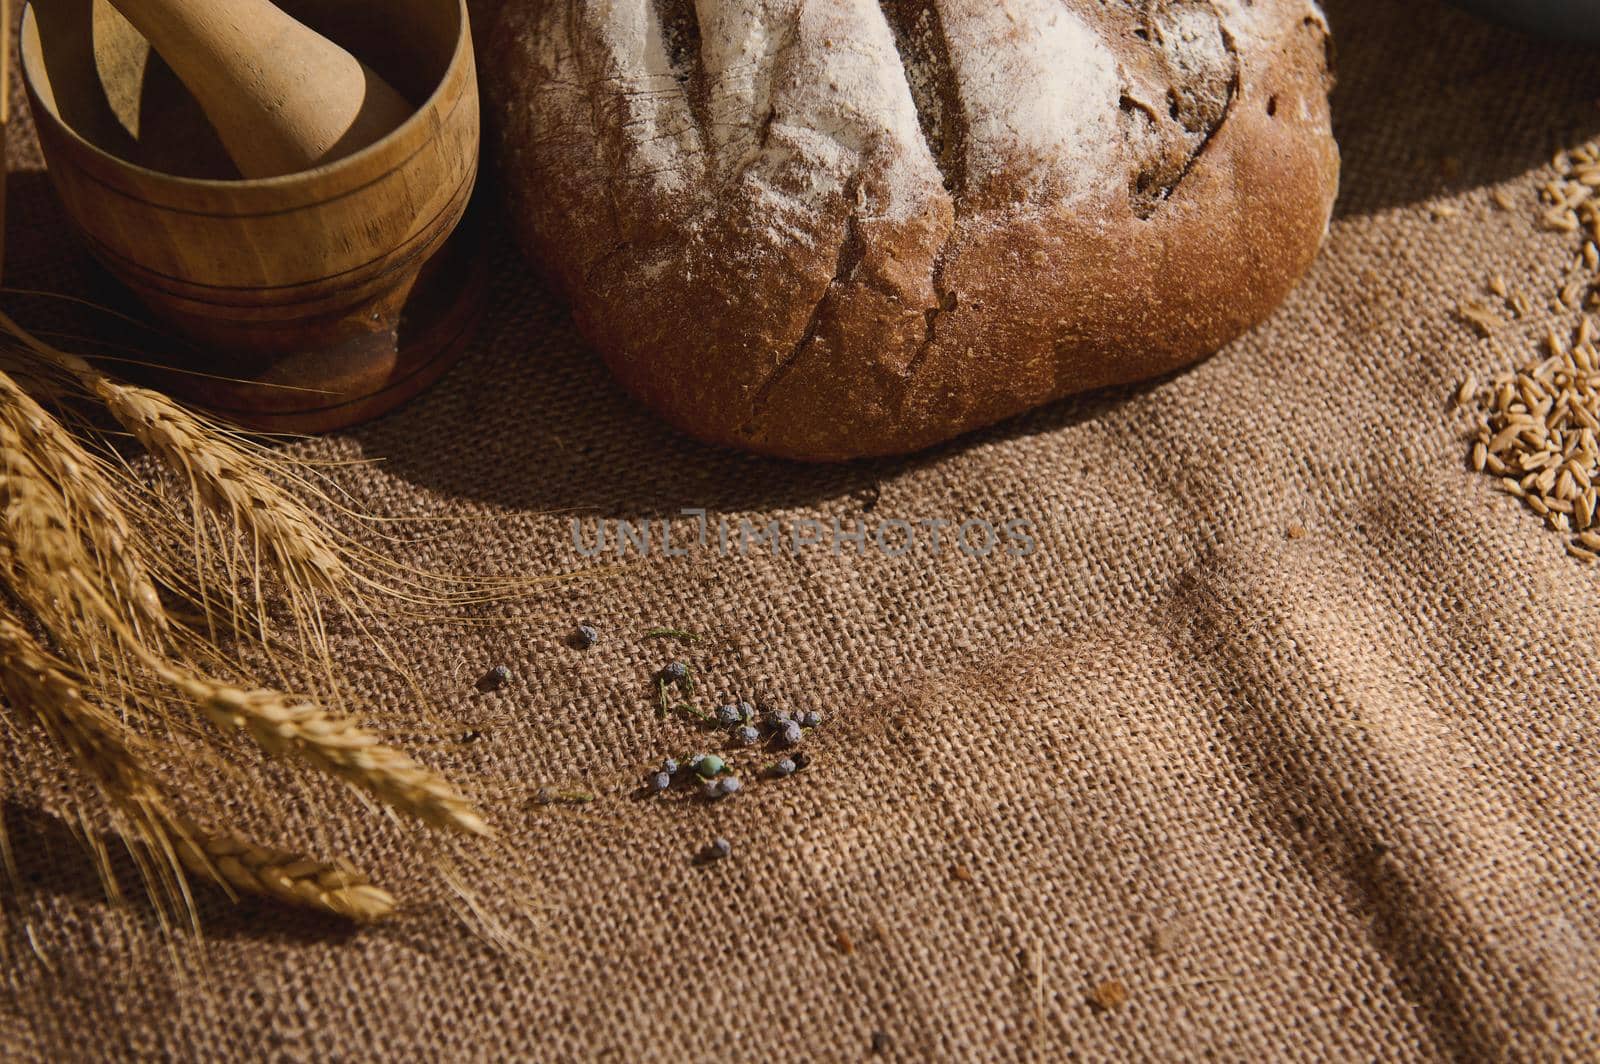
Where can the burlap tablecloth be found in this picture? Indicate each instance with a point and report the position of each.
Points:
(1324, 796)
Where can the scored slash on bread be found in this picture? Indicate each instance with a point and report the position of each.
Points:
(833, 228)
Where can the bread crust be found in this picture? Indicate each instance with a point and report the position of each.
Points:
(826, 229)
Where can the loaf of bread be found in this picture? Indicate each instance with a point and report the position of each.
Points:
(833, 228)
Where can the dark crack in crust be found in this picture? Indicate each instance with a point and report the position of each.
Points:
(680, 32)
(1197, 68)
(924, 52)
(773, 256)
(851, 252)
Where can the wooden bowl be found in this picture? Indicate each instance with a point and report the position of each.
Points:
(313, 300)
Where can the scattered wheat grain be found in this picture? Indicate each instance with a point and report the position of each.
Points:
(1481, 317)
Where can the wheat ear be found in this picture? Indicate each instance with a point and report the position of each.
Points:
(53, 481)
(49, 564)
(281, 724)
(38, 683)
(239, 480)
(45, 563)
(229, 478)
(231, 482)
(245, 866)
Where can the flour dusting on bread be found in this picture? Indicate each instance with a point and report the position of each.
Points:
(1039, 90)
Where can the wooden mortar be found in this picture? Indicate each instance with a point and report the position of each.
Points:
(316, 299)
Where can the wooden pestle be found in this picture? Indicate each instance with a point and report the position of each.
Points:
(282, 97)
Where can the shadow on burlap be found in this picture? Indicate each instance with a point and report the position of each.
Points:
(1330, 795)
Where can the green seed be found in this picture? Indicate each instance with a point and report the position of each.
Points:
(709, 766)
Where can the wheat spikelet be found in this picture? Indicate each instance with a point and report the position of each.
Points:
(289, 877)
(337, 745)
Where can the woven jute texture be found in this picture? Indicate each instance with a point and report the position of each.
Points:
(1322, 796)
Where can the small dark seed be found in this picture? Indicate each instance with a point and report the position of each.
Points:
(676, 672)
(748, 735)
(585, 637)
(669, 766)
(495, 679)
(747, 712)
(789, 734)
(801, 761)
(811, 718)
(719, 848)
(729, 785)
(660, 781)
(784, 768)
(728, 715)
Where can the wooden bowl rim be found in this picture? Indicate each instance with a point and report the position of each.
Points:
(462, 53)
